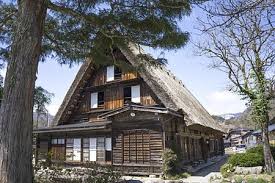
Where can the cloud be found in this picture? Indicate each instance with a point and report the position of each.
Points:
(222, 102)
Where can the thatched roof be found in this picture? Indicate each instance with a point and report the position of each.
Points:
(74, 89)
(171, 91)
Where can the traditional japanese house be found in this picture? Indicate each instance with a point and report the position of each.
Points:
(127, 118)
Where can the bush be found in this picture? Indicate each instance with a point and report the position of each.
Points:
(248, 159)
(249, 179)
(91, 174)
(226, 170)
(259, 150)
(256, 180)
(170, 163)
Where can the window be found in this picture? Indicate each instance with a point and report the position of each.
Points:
(135, 93)
(86, 152)
(54, 141)
(108, 148)
(100, 99)
(73, 149)
(113, 73)
(117, 73)
(97, 100)
(132, 94)
(92, 149)
(58, 141)
(100, 149)
(127, 95)
(110, 73)
(69, 149)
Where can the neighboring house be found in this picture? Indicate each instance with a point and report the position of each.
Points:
(127, 118)
(235, 136)
(250, 139)
(271, 130)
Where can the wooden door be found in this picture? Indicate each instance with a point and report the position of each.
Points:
(141, 146)
(58, 152)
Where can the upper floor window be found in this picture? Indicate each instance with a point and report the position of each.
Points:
(58, 141)
(97, 100)
(117, 73)
(113, 73)
(132, 94)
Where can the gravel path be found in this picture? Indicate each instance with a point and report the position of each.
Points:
(213, 168)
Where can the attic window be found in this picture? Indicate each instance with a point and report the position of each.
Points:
(97, 100)
(117, 73)
(113, 73)
(132, 94)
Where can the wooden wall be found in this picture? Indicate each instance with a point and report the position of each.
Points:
(194, 143)
(113, 94)
(138, 143)
(99, 77)
(137, 146)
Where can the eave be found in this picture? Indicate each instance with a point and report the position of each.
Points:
(134, 107)
(74, 127)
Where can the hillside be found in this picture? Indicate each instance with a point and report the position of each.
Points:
(243, 119)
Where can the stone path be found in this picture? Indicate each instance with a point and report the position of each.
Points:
(204, 175)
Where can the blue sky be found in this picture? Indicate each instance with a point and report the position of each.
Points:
(208, 85)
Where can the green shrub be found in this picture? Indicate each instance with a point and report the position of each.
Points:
(256, 180)
(259, 150)
(240, 179)
(226, 170)
(248, 159)
(170, 163)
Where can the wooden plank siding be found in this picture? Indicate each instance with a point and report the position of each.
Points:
(58, 152)
(113, 99)
(194, 144)
(99, 77)
(137, 148)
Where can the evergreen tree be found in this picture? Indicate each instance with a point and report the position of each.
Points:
(42, 97)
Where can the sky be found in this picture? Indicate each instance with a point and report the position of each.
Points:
(209, 86)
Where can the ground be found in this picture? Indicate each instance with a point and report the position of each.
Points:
(202, 176)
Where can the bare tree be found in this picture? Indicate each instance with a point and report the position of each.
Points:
(239, 36)
(70, 31)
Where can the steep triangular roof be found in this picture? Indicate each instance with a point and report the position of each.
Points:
(171, 91)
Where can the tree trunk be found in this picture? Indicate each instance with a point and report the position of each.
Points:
(269, 160)
(16, 112)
